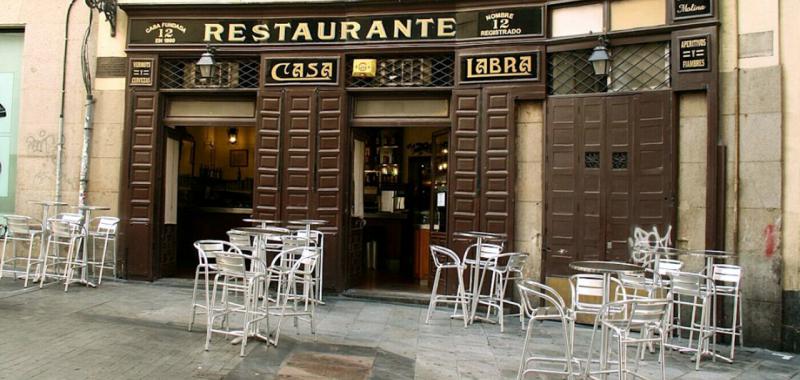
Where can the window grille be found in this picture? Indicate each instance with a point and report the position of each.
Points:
(184, 74)
(633, 68)
(433, 71)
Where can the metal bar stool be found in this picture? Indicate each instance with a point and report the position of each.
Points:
(293, 268)
(444, 259)
(694, 291)
(502, 273)
(727, 279)
(18, 229)
(207, 251)
(65, 233)
(105, 231)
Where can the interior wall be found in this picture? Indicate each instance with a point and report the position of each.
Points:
(528, 224)
(219, 157)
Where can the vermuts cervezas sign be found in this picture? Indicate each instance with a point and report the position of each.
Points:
(500, 23)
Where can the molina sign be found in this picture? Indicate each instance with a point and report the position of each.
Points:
(281, 71)
(694, 53)
(499, 23)
(692, 8)
(500, 67)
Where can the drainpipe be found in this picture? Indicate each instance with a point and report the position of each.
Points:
(87, 120)
(736, 137)
(60, 145)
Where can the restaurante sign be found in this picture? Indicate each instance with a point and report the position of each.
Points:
(499, 23)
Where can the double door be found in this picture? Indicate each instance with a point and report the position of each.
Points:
(610, 166)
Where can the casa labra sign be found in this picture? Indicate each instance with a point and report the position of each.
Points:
(479, 24)
(282, 71)
(503, 67)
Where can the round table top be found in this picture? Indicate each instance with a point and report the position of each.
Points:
(259, 230)
(606, 267)
(710, 253)
(480, 234)
(50, 203)
(262, 221)
(309, 222)
(92, 208)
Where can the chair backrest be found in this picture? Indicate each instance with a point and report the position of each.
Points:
(17, 226)
(61, 229)
(531, 292)
(106, 225)
(488, 251)
(584, 286)
(689, 284)
(231, 263)
(209, 249)
(645, 312)
(516, 261)
(70, 217)
(241, 239)
(668, 266)
(315, 237)
(726, 273)
(443, 256)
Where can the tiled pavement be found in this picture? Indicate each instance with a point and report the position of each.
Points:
(137, 330)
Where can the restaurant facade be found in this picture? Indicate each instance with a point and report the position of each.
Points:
(402, 124)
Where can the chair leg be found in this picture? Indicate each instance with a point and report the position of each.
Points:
(28, 263)
(462, 297)
(524, 358)
(194, 297)
(102, 261)
(3, 258)
(432, 303)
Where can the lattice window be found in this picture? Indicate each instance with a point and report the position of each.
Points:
(432, 71)
(633, 68)
(591, 160)
(640, 67)
(619, 160)
(184, 74)
(570, 72)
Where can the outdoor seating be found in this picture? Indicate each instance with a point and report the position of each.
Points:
(316, 239)
(103, 229)
(207, 251)
(695, 292)
(502, 274)
(622, 319)
(233, 278)
(727, 279)
(19, 231)
(294, 295)
(542, 303)
(64, 234)
(446, 259)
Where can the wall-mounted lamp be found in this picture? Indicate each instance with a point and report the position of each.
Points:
(600, 58)
(233, 135)
(206, 63)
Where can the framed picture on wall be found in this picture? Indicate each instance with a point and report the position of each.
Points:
(239, 158)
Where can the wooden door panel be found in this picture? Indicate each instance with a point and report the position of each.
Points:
(591, 114)
(464, 172)
(299, 153)
(268, 147)
(654, 163)
(141, 187)
(620, 127)
(498, 166)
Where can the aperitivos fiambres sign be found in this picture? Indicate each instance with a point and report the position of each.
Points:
(498, 23)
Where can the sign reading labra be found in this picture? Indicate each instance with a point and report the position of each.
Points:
(693, 53)
(501, 23)
(692, 8)
(282, 71)
(500, 67)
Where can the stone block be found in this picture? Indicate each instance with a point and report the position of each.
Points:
(763, 324)
(529, 182)
(761, 278)
(753, 223)
(691, 232)
(760, 184)
(727, 92)
(761, 137)
(529, 142)
(693, 105)
(761, 90)
(692, 138)
(106, 140)
(530, 112)
(758, 44)
(104, 174)
(691, 185)
(110, 107)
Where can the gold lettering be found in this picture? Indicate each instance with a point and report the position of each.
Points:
(481, 68)
(282, 26)
(297, 70)
(215, 31)
(494, 65)
(377, 28)
(327, 70)
(526, 64)
(424, 24)
(469, 67)
(260, 32)
(236, 32)
(402, 27)
(350, 30)
(509, 65)
(313, 71)
(446, 27)
(302, 30)
(326, 36)
(275, 68)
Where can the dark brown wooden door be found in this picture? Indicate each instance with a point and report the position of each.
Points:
(610, 166)
(299, 152)
(498, 136)
(267, 195)
(141, 222)
(464, 166)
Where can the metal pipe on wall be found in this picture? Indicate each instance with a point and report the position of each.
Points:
(89, 115)
(736, 137)
(60, 144)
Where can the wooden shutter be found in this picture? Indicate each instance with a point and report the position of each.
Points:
(141, 221)
(498, 163)
(268, 159)
(329, 179)
(618, 163)
(590, 179)
(464, 167)
(299, 153)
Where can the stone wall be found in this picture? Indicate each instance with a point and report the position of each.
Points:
(529, 199)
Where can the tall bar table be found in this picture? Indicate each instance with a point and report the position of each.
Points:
(46, 205)
(477, 271)
(264, 223)
(262, 234)
(308, 223)
(86, 211)
(606, 268)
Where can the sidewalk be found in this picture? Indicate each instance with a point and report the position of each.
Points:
(138, 330)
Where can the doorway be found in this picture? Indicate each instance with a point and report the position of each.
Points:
(611, 164)
(399, 173)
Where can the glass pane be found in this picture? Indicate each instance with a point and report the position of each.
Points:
(619, 160)
(629, 14)
(640, 67)
(421, 107)
(570, 21)
(592, 160)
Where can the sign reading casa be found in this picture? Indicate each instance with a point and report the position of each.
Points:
(500, 67)
(282, 71)
(501, 23)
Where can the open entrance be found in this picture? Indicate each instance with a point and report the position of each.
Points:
(208, 176)
(400, 190)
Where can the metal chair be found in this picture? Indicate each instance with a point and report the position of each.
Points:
(444, 259)
(207, 251)
(694, 291)
(301, 263)
(316, 239)
(541, 303)
(587, 295)
(501, 275)
(648, 316)
(478, 262)
(104, 229)
(727, 278)
(63, 234)
(233, 278)
(18, 230)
